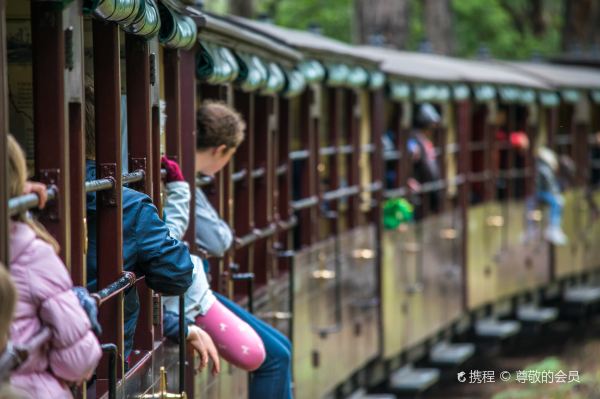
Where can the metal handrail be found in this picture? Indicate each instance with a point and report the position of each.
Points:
(391, 155)
(288, 224)
(281, 170)
(299, 154)
(26, 202)
(305, 203)
(239, 175)
(346, 149)
(126, 280)
(373, 187)
(246, 240)
(204, 181)
(395, 192)
(327, 151)
(340, 193)
(258, 173)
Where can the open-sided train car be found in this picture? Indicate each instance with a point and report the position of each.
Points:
(305, 192)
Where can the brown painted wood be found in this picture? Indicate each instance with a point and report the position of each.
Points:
(172, 76)
(188, 133)
(108, 155)
(465, 126)
(51, 136)
(139, 139)
(77, 209)
(262, 198)
(4, 258)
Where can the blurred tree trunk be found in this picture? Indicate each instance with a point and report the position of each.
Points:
(438, 26)
(382, 22)
(243, 8)
(580, 33)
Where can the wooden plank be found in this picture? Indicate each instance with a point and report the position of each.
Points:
(107, 78)
(139, 144)
(76, 141)
(4, 195)
(49, 114)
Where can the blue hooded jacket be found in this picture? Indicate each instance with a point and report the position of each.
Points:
(148, 250)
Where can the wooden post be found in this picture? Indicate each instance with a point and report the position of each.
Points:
(107, 78)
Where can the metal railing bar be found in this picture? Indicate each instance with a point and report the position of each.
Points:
(126, 280)
(281, 170)
(204, 181)
(395, 192)
(346, 149)
(26, 202)
(258, 173)
(341, 193)
(299, 155)
(327, 151)
(304, 203)
(239, 175)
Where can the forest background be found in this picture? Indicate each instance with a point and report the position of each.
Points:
(505, 29)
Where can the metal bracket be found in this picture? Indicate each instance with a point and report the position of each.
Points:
(109, 171)
(51, 177)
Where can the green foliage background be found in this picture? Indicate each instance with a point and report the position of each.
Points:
(477, 24)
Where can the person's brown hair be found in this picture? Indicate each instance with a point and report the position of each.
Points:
(8, 298)
(17, 176)
(218, 125)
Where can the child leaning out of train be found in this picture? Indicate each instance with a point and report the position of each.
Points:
(148, 248)
(220, 130)
(46, 304)
(548, 192)
(239, 344)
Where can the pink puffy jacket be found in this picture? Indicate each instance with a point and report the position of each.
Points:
(45, 299)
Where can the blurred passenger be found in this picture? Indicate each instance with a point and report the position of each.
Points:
(46, 304)
(422, 152)
(548, 191)
(148, 248)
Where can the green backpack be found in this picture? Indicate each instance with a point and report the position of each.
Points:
(395, 212)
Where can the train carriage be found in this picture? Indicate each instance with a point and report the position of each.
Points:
(326, 151)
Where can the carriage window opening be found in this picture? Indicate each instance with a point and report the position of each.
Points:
(477, 173)
(423, 148)
(594, 146)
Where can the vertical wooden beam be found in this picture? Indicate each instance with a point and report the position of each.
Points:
(464, 136)
(188, 133)
(173, 98)
(49, 113)
(107, 78)
(262, 198)
(4, 256)
(139, 144)
(309, 130)
(76, 101)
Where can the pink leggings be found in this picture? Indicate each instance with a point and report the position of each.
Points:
(236, 341)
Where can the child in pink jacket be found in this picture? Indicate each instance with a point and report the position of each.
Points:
(45, 301)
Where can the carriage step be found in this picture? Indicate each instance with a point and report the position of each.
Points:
(362, 394)
(447, 354)
(411, 380)
(582, 295)
(498, 329)
(535, 315)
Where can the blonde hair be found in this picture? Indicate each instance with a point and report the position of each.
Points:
(17, 176)
(8, 298)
